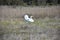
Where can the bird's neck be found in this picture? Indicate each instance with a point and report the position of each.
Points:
(31, 17)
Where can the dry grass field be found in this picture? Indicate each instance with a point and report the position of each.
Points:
(37, 12)
(45, 27)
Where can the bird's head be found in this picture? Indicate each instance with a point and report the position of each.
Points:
(31, 16)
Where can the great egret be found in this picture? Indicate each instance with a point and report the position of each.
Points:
(26, 17)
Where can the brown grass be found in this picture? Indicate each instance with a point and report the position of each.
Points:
(37, 12)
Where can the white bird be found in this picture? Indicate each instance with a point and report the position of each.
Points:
(26, 17)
